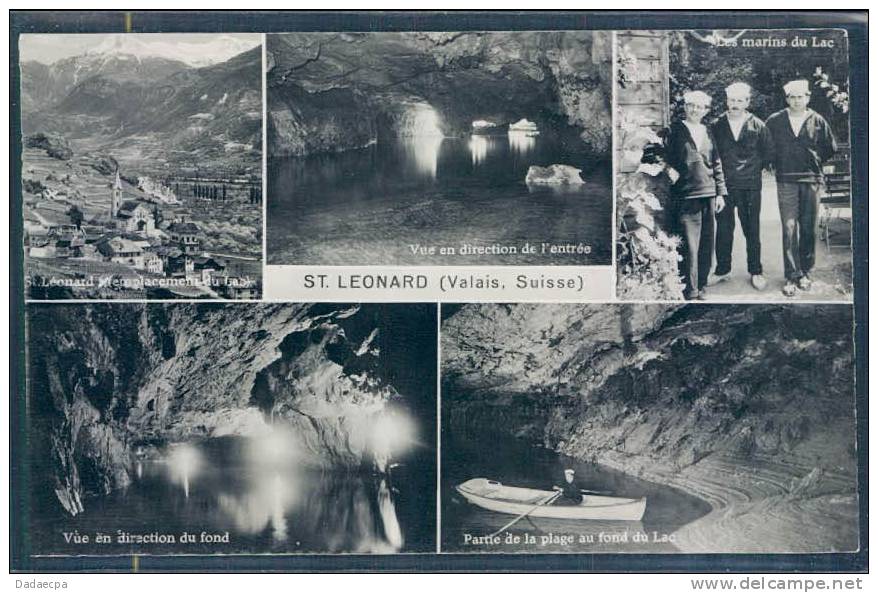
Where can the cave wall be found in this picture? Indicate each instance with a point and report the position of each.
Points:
(669, 383)
(749, 407)
(108, 379)
(340, 91)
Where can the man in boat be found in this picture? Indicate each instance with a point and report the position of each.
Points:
(570, 491)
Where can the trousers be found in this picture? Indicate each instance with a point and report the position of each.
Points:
(696, 225)
(799, 203)
(748, 203)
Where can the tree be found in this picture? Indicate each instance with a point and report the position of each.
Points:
(76, 216)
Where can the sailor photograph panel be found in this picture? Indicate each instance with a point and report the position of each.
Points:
(439, 148)
(212, 428)
(733, 165)
(142, 165)
(632, 428)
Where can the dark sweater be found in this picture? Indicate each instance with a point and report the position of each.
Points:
(570, 491)
(799, 159)
(743, 159)
(701, 172)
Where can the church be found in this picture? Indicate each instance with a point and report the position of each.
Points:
(131, 215)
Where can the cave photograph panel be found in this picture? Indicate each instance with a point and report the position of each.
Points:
(170, 429)
(733, 165)
(439, 148)
(648, 429)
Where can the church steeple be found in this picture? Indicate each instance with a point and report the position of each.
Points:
(117, 197)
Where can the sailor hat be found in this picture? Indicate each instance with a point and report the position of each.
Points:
(697, 98)
(738, 90)
(799, 87)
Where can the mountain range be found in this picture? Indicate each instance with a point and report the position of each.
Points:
(109, 100)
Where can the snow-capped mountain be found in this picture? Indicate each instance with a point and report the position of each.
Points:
(113, 99)
(125, 59)
(210, 49)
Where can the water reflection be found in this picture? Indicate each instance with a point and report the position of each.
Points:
(478, 146)
(263, 505)
(184, 463)
(276, 501)
(367, 206)
(424, 152)
(522, 142)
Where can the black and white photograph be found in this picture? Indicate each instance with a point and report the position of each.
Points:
(733, 165)
(142, 165)
(648, 429)
(213, 428)
(439, 148)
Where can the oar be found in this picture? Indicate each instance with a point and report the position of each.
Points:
(548, 500)
(598, 492)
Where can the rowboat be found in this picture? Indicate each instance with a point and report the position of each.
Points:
(511, 500)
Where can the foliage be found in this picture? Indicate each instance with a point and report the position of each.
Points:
(33, 186)
(647, 258)
(699, 62)
(647, 255)
(76, 216)
(834, 93)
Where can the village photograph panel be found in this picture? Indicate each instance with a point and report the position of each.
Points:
(142, 165)
(733, 165)
(443, 148)
(230, 428)
(648, 429)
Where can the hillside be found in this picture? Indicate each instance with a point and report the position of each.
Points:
(155, 112)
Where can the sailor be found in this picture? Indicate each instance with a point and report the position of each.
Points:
(744, 145)
(570, 491)
(803, 141)
(698, 191)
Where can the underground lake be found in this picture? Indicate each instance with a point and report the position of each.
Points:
(390, 202)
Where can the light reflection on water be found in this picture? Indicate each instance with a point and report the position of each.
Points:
(478, 146)
(424, 151)
(273, 507)
(522, 143)
(368, 206)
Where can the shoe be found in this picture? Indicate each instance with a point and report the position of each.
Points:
(789, 289)
(804, 283)
(692, 295)
(758, 281)
(701, 296)
(718, 278)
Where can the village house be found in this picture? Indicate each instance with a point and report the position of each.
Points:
(58, 241)
(177, 263)
(239, 288)
(207, 267)
(68, 232)
(123, 251)
(185, 235)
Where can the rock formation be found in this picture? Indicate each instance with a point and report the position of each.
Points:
(107, 380)
(329, 92)
(553, 175)
(750, 408)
